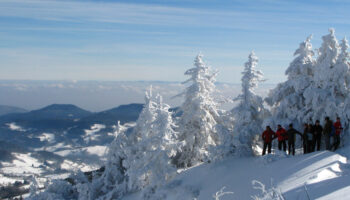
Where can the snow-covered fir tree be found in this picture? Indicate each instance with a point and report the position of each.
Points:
(113, 182)
(343, 61)
(326, 60)
(118, 179)
(341, 74)
(329, 90)
(141, 160)
(150, 166)
(197, 124)
(250, 111)
(287, 99)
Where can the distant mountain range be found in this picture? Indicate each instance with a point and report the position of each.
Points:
(62, 116)
(66, 123)
(10, 109)
(123, 113)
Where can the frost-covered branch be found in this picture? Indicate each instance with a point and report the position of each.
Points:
(221, 193)
(270, 194)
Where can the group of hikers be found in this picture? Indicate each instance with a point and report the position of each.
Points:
(311, 136)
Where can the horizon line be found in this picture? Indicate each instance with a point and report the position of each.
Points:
(121, 81)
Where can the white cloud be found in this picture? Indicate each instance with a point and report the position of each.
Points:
(150, 14)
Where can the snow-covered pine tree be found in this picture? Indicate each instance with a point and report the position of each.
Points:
(343, 61)
(327, 58)
(341, 75)
(287, 99)
(138, 159)
(151, 167)
(250, 111)
(329, 91)
(113, 182)
(340, 72)
(197, 124)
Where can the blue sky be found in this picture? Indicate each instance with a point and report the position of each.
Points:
(157, 40)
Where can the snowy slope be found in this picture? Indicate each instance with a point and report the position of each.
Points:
(319, 175)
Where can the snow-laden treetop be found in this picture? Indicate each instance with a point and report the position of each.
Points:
(344, 54)
(250, 79)
(327, 58)
(302, 64)
(200, 73)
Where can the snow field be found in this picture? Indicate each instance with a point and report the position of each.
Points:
(23, 163)
(321, 173)
(90, 134)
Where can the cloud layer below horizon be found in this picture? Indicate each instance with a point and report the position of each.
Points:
(101, 95)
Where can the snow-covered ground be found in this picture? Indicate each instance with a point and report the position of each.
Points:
(92, 150)
(55, 147)
(49, 137)
(318, 175)
(14, 127)
(57, 159)
(90, 134)
(23, 163)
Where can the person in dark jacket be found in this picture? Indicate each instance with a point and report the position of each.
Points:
(338, 129)
(282, 137)
(268, 135)
(327, 131)
(305, 138)
(318, 135)
(291, 139)
(308, 138)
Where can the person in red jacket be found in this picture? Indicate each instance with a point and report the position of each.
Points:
(338, 129)
(268, 135)
(281, 136)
